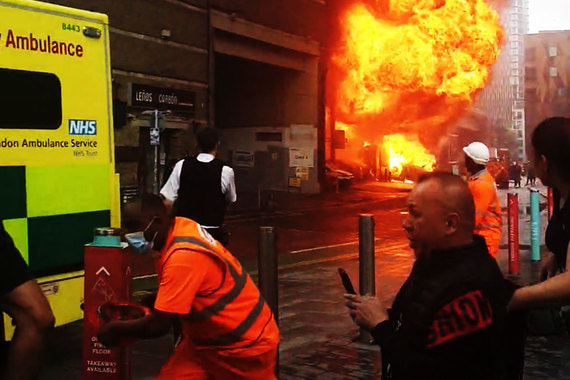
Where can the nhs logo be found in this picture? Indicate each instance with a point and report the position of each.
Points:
(82, 127)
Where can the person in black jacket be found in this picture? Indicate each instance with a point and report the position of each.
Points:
(23, 300)
(551, 159)
(447, 320)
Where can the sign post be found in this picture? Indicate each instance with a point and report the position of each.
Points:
(107, 279)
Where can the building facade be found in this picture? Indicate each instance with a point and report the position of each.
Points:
(547, 67)
(249, 68)
(502, 100)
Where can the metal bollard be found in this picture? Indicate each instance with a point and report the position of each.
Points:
(534, 225)
(513, 233)
(549, 202)
(366, 254)
(267, 271)
(367, 278)
(268, 268)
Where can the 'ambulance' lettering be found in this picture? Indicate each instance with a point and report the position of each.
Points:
(44, 45)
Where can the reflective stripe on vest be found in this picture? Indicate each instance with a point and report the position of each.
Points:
(220, 304)
(235, 335)
(488, 226)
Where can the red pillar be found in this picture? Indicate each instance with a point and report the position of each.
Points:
(513, 233)
(549, 202)
(107, 279)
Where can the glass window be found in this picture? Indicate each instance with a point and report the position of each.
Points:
(562, 91)
(552, 51)
(553, 71)
(29, 100)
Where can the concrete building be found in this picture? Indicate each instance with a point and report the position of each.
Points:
(547, 67)
(518, 27)
(249, 68)
(502, 100)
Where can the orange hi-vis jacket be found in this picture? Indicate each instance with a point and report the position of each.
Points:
(488, 220)
(234, 315)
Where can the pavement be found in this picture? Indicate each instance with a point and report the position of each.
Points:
(316, 331)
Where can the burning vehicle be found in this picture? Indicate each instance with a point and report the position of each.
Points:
(335, 176)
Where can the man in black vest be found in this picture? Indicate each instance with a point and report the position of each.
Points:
(201, 187)
(448, 319)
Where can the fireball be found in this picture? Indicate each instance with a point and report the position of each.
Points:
(413, 66)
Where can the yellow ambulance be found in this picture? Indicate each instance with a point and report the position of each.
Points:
(57, 169)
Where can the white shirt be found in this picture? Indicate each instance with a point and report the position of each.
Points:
(170, 188)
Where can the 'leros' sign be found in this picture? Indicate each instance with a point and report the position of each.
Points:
(163, 98)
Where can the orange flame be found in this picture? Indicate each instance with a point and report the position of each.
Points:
(413, 66)
(402, 151)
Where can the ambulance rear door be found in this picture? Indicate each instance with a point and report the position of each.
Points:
(56, 141)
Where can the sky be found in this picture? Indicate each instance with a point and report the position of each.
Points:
(549, 15)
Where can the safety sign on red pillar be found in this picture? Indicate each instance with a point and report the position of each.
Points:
(107, 279)
(513, 233)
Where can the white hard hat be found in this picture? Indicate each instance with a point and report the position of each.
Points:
(478, 152)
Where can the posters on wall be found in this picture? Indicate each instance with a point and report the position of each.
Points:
(243, 159)
(301, 157)
(302, 172)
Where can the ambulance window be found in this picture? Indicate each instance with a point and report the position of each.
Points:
(29, 100)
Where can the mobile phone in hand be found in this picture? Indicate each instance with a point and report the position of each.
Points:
(346, 281)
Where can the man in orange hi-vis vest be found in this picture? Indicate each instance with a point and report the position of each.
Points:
(488, 221)
(228, 330)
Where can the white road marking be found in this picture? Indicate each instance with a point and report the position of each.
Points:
(327, 246)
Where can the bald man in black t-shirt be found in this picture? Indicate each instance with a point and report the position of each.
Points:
(22, 299)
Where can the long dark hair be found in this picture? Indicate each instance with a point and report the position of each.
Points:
(551, 138)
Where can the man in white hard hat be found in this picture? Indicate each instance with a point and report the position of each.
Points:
(488, 220)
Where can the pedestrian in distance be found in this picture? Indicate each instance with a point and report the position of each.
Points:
(228, 331)
(530, 175)
(201, 187)
(515, 174)
(488, 218)
(447, 320)
(551, 160)
(23, 300)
